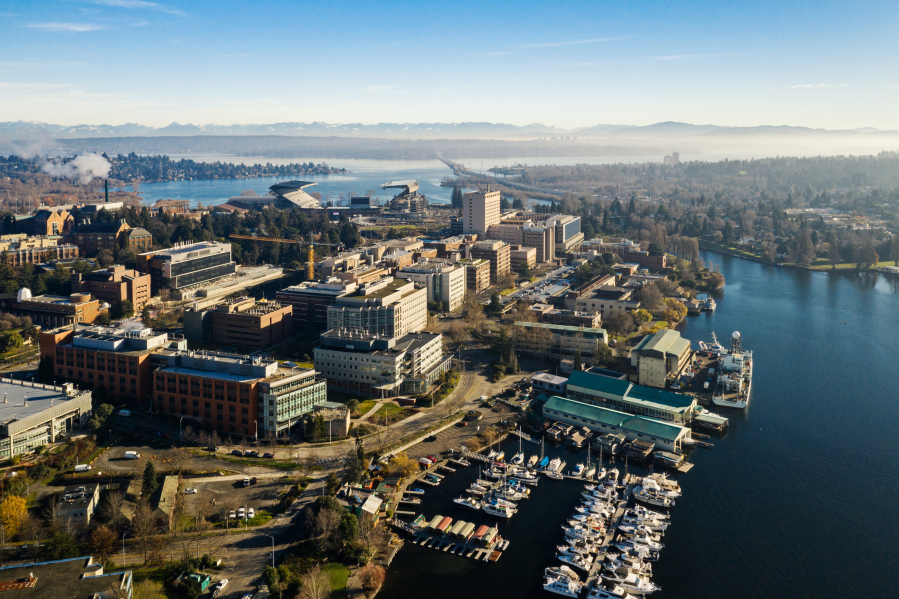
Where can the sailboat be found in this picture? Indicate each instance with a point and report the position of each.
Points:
(591, 468)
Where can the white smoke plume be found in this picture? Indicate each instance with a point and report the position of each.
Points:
(132, 325)
(84, 168)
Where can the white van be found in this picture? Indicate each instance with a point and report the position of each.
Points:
(83, 467)
(125, 413)
(246, 481)
(132, 455)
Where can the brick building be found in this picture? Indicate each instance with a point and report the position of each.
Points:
(310, 301)
(497, 253)
(53, 222)
(94, 237)
(243, 322)
(114, 285)
(51, 310)
(477, 274)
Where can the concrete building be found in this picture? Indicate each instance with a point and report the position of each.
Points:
(52, 310)
(19, 249)
(78, 577)
(32, 414)
(288, 397)
(113, 361)
(549, 384)
(379, 365)
(510, 233)
(498, 253)
(619, 394)
(477, 274)
(665, 436)
(661, 356)
(243, 322)
(567, 230)
(114, 285)
(79, 503)
(556, 341)
(572, 318)
(480, 209)
(389, 307)
(607, 299)
(187, 264)
(310, 301)
(334, 416)
(542, 238)
(444, 281)
(522, 257)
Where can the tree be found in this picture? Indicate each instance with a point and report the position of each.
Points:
(349, 527)
(456, 332)
(619, 322)
(603, 354)
(112, 509)
(403, 465)
(105, 258)
(102, 542)
(326, 528)
(650, 297)
(150, 483)
(372, 577)
(495, 305)
(12, 514)
(456, 199)
(642, 315)
(869, 253)
(271, 577)
(894, 250)
(126, 308)
(316, 584)
(577, 360)
(12, 341)
(60, 545)
(103, 319)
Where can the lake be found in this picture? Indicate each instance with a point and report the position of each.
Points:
(795, 501)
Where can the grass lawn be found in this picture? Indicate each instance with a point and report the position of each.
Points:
(60, 448)
(339, 575)
(508, 291)
(365, 406)
(825, 265)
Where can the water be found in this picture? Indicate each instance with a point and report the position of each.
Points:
(798, 500)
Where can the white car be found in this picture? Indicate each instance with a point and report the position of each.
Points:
(232, 514)
(190, 491)
(221, 585)
(241, 513)
(250, 513)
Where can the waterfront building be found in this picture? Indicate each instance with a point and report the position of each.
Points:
(310, 300)
(593, 388)
(52, 310)
(665, 435)
(542, 339)
(243, 322)
(187, 264)
(444, 281)
(498, 253)
(77, 577)
(480, 209)
(661, 356)
(389, 307)
(33, 414)
(114, 361)
(379, 365)
(114, 285)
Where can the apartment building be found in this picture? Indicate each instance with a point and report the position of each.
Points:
(186, 265)
(243, 322)
(390, 307)
(381, 366)
(114, 285)
(114, 360)
(477, 274)
(480, 209)
(497, 253)
(310, 300)
(443, 280)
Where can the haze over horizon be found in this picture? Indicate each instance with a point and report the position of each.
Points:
(575, 65)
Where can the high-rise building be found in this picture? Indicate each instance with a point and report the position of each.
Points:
(497, 253)
(480, 209)
(390, 307)
(477, 274)
(444, 281)
(567, 232)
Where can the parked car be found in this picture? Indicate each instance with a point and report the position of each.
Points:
(190, 491)
(232, 514)
(246, 481)
(220, 586)
(241, 513)
(431, 439)
(251, 454)
(268, 456)
(250, 513)
(237, 452)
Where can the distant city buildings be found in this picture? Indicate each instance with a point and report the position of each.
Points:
(672, 159)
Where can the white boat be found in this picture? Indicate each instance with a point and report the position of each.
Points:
(562, 570)
(499, 455)
(640, 530)
(631, 583)
(591, 470)
(554, 475)
(562, 586)
(499, 511)
(533, 461)
(637, 549)
(494, 473)
(650, 484)
(666, 483)
(645, 496)
(468, 503)
(645, 512)
(615, 593)
(517, 459)
(654, 525)
(554, 464)
(582, 546)
(578, 470)
(601, 474)
(611, 477)
(631, 563)
(578, 561)
(476, 489)
(491, 454)
(574, 552)
(579, 532)
(734, 384)
(503, 502)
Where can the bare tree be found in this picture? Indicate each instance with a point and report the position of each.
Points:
(180, 458)
(367, 526)
(144, 526)
(325, 529)
(112, 510)
(457, 333)
(31, 530)
(316, 584)
(308, 464)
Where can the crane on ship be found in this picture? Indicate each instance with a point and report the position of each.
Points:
(310, 245)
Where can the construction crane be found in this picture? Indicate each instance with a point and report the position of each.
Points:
(310, 252)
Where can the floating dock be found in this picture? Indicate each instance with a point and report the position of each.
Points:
(461, 548)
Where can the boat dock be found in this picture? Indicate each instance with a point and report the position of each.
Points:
(524, 437)
(596, 568)
(447, 468)
(461, 548)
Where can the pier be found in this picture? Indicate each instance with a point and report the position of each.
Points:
(461, 548)
(596, 568)
(524, 437)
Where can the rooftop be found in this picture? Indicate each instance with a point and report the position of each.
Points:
(76, 578)
(549, 378)
(21, 399)
(636, 394)
(638, 424)
(182, 250)
(560, 327)
(664, 342)
(611, 293)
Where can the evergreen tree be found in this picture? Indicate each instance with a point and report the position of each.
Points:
(456, 199)
(150, 483)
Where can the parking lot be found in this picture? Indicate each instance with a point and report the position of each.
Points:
(217, 497)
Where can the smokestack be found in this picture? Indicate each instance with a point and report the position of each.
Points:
(106, 189)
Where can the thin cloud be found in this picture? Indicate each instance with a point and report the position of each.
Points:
(139, 4)
(490, 54)
(377, 88)
(692, 56)
(597, 40)
(67, 26)
(817, 86)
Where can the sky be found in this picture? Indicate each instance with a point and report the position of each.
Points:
(817, 64)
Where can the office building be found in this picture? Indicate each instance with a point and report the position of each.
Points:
(568, 317)
(477, 274)
(607, 299)
(114, 285)
(661, 356)
(510, 233)
(79, 503)
(310, 300)
(186, 265)
(91, 238)
(497, 253)
(52, 310)
(32, 414)
(444, 281)
(557, 341)
(567, 231)
(522, 257)
(480, 209)
(289, 396)
(77, 577)
(20, 249)
(389, 307)
(541, 238)
(243, 322)
(378, 365)
(52, 221)
(113, 361)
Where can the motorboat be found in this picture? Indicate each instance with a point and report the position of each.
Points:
(645, 512)
(652, 498)
(477, 490)
(504, 502)
(462, 461)
(578, 470)
(653, 525)
(533, 461)
(628, 562)
(666, 483)
(646, 542)
(590, 487)
(650, 484)
(589, 525)
(601, 474)
(579, 532)
(554, 464)
(573, 551)
(562, 570)
(517, 459)
(554, 475)
(611, 478)
(499, 511)
(582, 546)
(562, 586)
(499, 466)
(638, 530)
(599, 592)
(467, 503)
(630, 582)
(639, 550)
(578, 561)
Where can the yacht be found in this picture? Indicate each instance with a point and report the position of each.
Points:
(563, 549)
(532, 461)
(646, 496)
(734, 384)
(492, 454)
(653, 525)
(644, 512)
(611, 478)
(468, 503)
(615, 593)
(632, 563)
(476, 489)
(581, 546)
(666, 483)
(601, 474)
(640, 530)
(498, 510)
(578, 470)
(562, 586)
(554, 464)
(631, 582)
(561, 571)
(639, 550)
(578, 561)
(517, 459)
(579, 532)
(503, 502)
(650, 484)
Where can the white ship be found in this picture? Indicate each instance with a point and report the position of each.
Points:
(735, 375)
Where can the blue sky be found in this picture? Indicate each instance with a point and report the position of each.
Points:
(818, 64)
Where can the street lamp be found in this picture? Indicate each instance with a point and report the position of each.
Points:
(273, 548)
(123, 548)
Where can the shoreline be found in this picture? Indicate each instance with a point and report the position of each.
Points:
(714, 247)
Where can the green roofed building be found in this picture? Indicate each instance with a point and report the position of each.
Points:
(596, 389)
(660, 356)
(666, 436)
